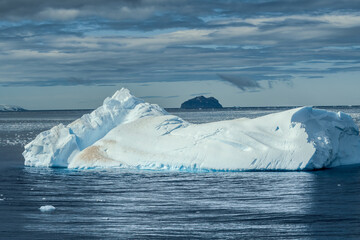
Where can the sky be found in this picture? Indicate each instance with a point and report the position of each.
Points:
(71, 54)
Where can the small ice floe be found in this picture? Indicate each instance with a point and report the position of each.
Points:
(47, 208)
(2, 199)
(339, 185)
(43, 198)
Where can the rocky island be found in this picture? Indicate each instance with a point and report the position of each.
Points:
(201, 102)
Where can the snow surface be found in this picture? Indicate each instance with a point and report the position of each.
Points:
(10, 108)
(57, 146)
(126, 132)
(47, 208)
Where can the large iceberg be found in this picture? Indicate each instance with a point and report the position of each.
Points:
(126, 132)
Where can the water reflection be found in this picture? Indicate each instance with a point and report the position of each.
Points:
(335, 204)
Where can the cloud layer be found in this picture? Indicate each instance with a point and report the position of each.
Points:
(88, 42)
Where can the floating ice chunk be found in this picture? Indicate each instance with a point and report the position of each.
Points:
(47, 208)
(126, 132)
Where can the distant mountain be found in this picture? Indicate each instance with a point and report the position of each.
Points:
(201, 102)
(11, 108)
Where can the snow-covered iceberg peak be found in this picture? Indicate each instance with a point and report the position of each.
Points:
(57, 146)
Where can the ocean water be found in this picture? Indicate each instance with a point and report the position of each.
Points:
(129, 204)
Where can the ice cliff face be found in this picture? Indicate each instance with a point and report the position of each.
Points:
(126, 132)
(57, 146)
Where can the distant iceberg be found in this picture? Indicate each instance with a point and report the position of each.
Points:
(126, 132)
(11, 108)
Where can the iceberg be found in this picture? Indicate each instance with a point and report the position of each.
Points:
(127, 132)
(47, 208)
(11, 108)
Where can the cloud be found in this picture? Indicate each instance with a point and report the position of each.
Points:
(242, 82)
(253, 82)
(58, 14)
(166, 97)
(89, 42)
(144, 9)
(313, 77)
(200, 94)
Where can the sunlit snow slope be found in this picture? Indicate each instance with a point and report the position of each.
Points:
(129, 133)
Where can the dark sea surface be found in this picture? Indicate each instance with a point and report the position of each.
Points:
(130, 204)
